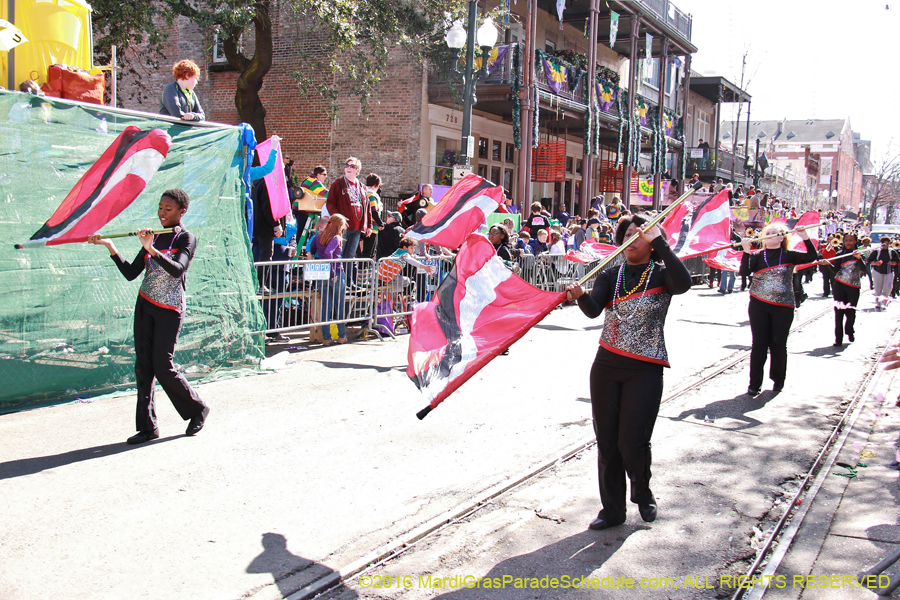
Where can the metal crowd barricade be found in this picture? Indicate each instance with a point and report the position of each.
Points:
(397, 293)
(302, 294)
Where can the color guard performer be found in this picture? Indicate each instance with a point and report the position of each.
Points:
(627, 375)
(164, 260)
(771, 307)
(847, 274)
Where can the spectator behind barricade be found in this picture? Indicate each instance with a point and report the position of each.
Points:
(373, 184)
(509, 203)
(499, 237)
(613, 211)
(539, 244)
(178, 98)
(327, 246)
(605, 234)
(720, 185)
(389, 237)
(776, 204)
(404, 254)
(563, 216)
(581, 234)
(556, 243)
(320, 227)
(756, 200)
(265, 228)
(593, 233)
(695, 182)
(347, 196)
(285, 249)
(421, 201)
(524, 243)
(712, 188)
(536, 221)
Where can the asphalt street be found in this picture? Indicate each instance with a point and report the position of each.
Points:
(309, 468)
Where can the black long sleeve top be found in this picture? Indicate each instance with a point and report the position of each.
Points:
(175, 264)
(751, 262)
(673, 276)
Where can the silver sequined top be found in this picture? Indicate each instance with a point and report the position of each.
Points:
(850, 272)
(634, 326)
(160, 288)
(774, 285)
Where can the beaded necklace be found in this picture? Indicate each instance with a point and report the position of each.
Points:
(153, 267)
(620, 283)
(766, 259)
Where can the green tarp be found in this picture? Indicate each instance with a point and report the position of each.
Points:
(66, 312)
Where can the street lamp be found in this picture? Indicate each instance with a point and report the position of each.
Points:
(456, 38)
(759, 136)
(834, 198)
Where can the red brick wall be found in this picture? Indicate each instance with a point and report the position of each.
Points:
(386, 139)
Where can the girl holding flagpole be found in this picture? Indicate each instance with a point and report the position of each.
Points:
(772, 299)
(627, 375)
(164, 260)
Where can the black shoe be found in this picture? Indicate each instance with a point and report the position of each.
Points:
(850, 337)
(601, 522)
(648, 511)
(838, 343)
(277, 337)
(505, 352)
(143, 436)
(752, 391)
(779, 385)
(197, 422)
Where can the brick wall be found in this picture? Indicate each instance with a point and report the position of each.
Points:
(385, 139)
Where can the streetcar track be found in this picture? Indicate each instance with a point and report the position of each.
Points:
(807, 491)
(400, 545)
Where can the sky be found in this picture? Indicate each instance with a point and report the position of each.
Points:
(807, 59)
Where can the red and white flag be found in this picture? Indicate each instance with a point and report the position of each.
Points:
(107, 188)
(709, 228)
(462, 210)
(795, 242)
(480, 309)
(726, 260)
(276, 184)
(590, 251)
(675, 225)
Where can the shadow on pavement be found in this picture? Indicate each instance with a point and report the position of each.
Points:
(739, 325)
(289, 571)
(824, 351)
(575, 557)
(30, 466)
(733, 408)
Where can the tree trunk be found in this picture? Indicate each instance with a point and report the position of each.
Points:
(246, 97)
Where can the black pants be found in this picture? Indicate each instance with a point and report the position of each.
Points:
(826, 280)
(625, 400)
(370, 244)
(263, 248)
(769, 325)
(155, 333)
(896, 289)
(845, 300)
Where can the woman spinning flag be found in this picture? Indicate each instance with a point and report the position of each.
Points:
(627, 376)
(158, 315)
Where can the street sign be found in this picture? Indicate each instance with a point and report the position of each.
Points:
(696, 152)
(460, 172)
(470, 146)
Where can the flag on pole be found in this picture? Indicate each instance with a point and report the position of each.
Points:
(710, 227)
(108, 187)
(480, 309)
(276, 184)
(590, 251)
(675, 226)
(726, 259)
(462, 210)
(795, 242)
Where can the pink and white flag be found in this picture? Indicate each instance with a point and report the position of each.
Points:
(709, 229)
(276, 184)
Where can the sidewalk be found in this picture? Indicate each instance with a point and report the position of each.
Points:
(853, 523)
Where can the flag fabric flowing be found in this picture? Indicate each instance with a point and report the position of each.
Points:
(480, 309)
(709, 229)
(276, 184)
(726, 259)
(556, 75)
(108, 187)
(590, 251)
(674, 226)
(795, 242)
(462, 210)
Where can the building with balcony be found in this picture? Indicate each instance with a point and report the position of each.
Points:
(822, 151)
(541, 129)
